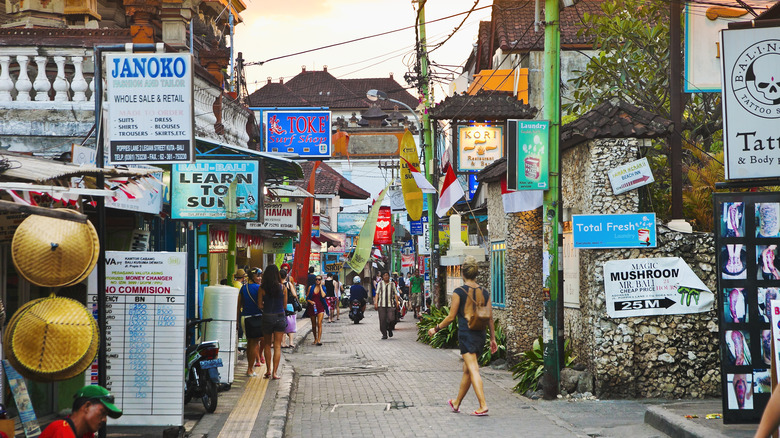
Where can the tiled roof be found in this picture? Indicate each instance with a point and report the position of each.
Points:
(493, 172)
(514, 25)
(330, 182)
(322, 89)
(485, 105)
(484, 56)
(614, 119)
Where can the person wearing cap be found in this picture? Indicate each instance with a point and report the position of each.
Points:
(91, 405)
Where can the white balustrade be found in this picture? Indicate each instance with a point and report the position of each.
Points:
(79, 84)
(6, 84)
(41, 84)
(61, 85)
(23, 83)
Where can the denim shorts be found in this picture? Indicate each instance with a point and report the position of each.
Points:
(274, 322)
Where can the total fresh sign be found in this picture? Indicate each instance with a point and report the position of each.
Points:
(306, 133)
(632, 230)
(150, 109)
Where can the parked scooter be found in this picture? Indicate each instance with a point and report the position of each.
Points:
(355, 313)
(201, 376)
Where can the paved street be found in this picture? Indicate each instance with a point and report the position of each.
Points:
(358, 385)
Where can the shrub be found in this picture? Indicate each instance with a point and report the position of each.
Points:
(531, 365)
(487, 357)
(447, 337)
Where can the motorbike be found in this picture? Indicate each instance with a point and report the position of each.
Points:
(355, 314)
(201, 375)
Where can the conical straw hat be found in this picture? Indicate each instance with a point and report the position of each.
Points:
(51, 339)
(95, 255)
(53, 252)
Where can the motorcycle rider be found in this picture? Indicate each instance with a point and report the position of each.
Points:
(358, 292)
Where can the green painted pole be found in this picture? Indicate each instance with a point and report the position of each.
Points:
(551, 205)
(428, 143)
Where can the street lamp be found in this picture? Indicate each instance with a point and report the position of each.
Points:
(373, 96)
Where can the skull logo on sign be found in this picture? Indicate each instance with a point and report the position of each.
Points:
(765, 74)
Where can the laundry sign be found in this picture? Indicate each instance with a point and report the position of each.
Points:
(654, 286)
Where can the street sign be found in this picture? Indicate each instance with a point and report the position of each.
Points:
(150, 108)
(527, 154)
(632, 230)
(630, 176)
(306, 132)
(654, 286)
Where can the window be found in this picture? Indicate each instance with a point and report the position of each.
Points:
(497, 284)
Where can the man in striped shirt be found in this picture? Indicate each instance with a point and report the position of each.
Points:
(386, 301)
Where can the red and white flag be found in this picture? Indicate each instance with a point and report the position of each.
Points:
(451, 192)
(521, 200)
(419, 178)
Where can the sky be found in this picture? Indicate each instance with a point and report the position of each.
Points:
(273, 28)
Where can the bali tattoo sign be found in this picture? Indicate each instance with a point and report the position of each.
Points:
(751, 102)
(654, 286)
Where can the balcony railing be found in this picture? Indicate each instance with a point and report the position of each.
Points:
(62, 78)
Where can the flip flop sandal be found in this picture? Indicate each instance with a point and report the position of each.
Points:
(480, 414)
(452, 406)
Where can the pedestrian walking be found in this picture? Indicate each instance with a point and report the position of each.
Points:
(273, 301)
(338, 288)
(250, 315)
(386, 302)
(416, 284)
(316, 309)
(288, 286)
(471, 341)
(330, 296)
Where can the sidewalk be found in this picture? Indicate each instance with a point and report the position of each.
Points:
(358, 385)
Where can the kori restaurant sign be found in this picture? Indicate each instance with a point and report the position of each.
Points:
(479, 146)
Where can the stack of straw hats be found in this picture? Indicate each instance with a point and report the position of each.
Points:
(53, 338)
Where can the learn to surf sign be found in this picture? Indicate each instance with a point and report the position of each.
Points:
(654, 286)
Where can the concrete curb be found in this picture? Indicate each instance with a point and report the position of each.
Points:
(676, 426)
(278, 421)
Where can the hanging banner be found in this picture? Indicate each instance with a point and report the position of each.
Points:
(150, 115)
(315, 226)
(215, 190)
(277, 246)
(413, 196)
(306, 133)
(424, 241)
(654, 286)
(479, 146)
(366, 238)
(527, 152)
(407, 261)
(278, 216)
(751, 102)
(384, 227)
(632, 230)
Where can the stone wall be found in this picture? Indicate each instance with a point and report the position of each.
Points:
(670, 356)
(653, 356)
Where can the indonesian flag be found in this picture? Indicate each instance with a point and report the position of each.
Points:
(419, 178)
(521, 200)
(451, 192)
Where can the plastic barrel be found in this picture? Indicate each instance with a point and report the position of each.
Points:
(219, 303)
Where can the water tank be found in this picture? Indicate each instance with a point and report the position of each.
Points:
(219, 303)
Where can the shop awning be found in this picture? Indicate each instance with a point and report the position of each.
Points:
(275, 167)
(41, 170)
(289, 191)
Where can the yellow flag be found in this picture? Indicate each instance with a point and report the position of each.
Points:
(413, 196)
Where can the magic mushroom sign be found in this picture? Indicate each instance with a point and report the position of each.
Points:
(751, 102)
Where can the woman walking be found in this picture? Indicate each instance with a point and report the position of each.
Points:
(288, 286)
(338, 288)
(471, 341)
(273, 303)
(316, 309)
(250, 315)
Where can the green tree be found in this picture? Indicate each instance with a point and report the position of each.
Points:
(632, 64)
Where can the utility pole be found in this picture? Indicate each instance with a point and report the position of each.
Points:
(551, 205)
(433, 228)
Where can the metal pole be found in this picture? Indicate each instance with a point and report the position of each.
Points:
(675, 101)
(552, 112)
(428, 143)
